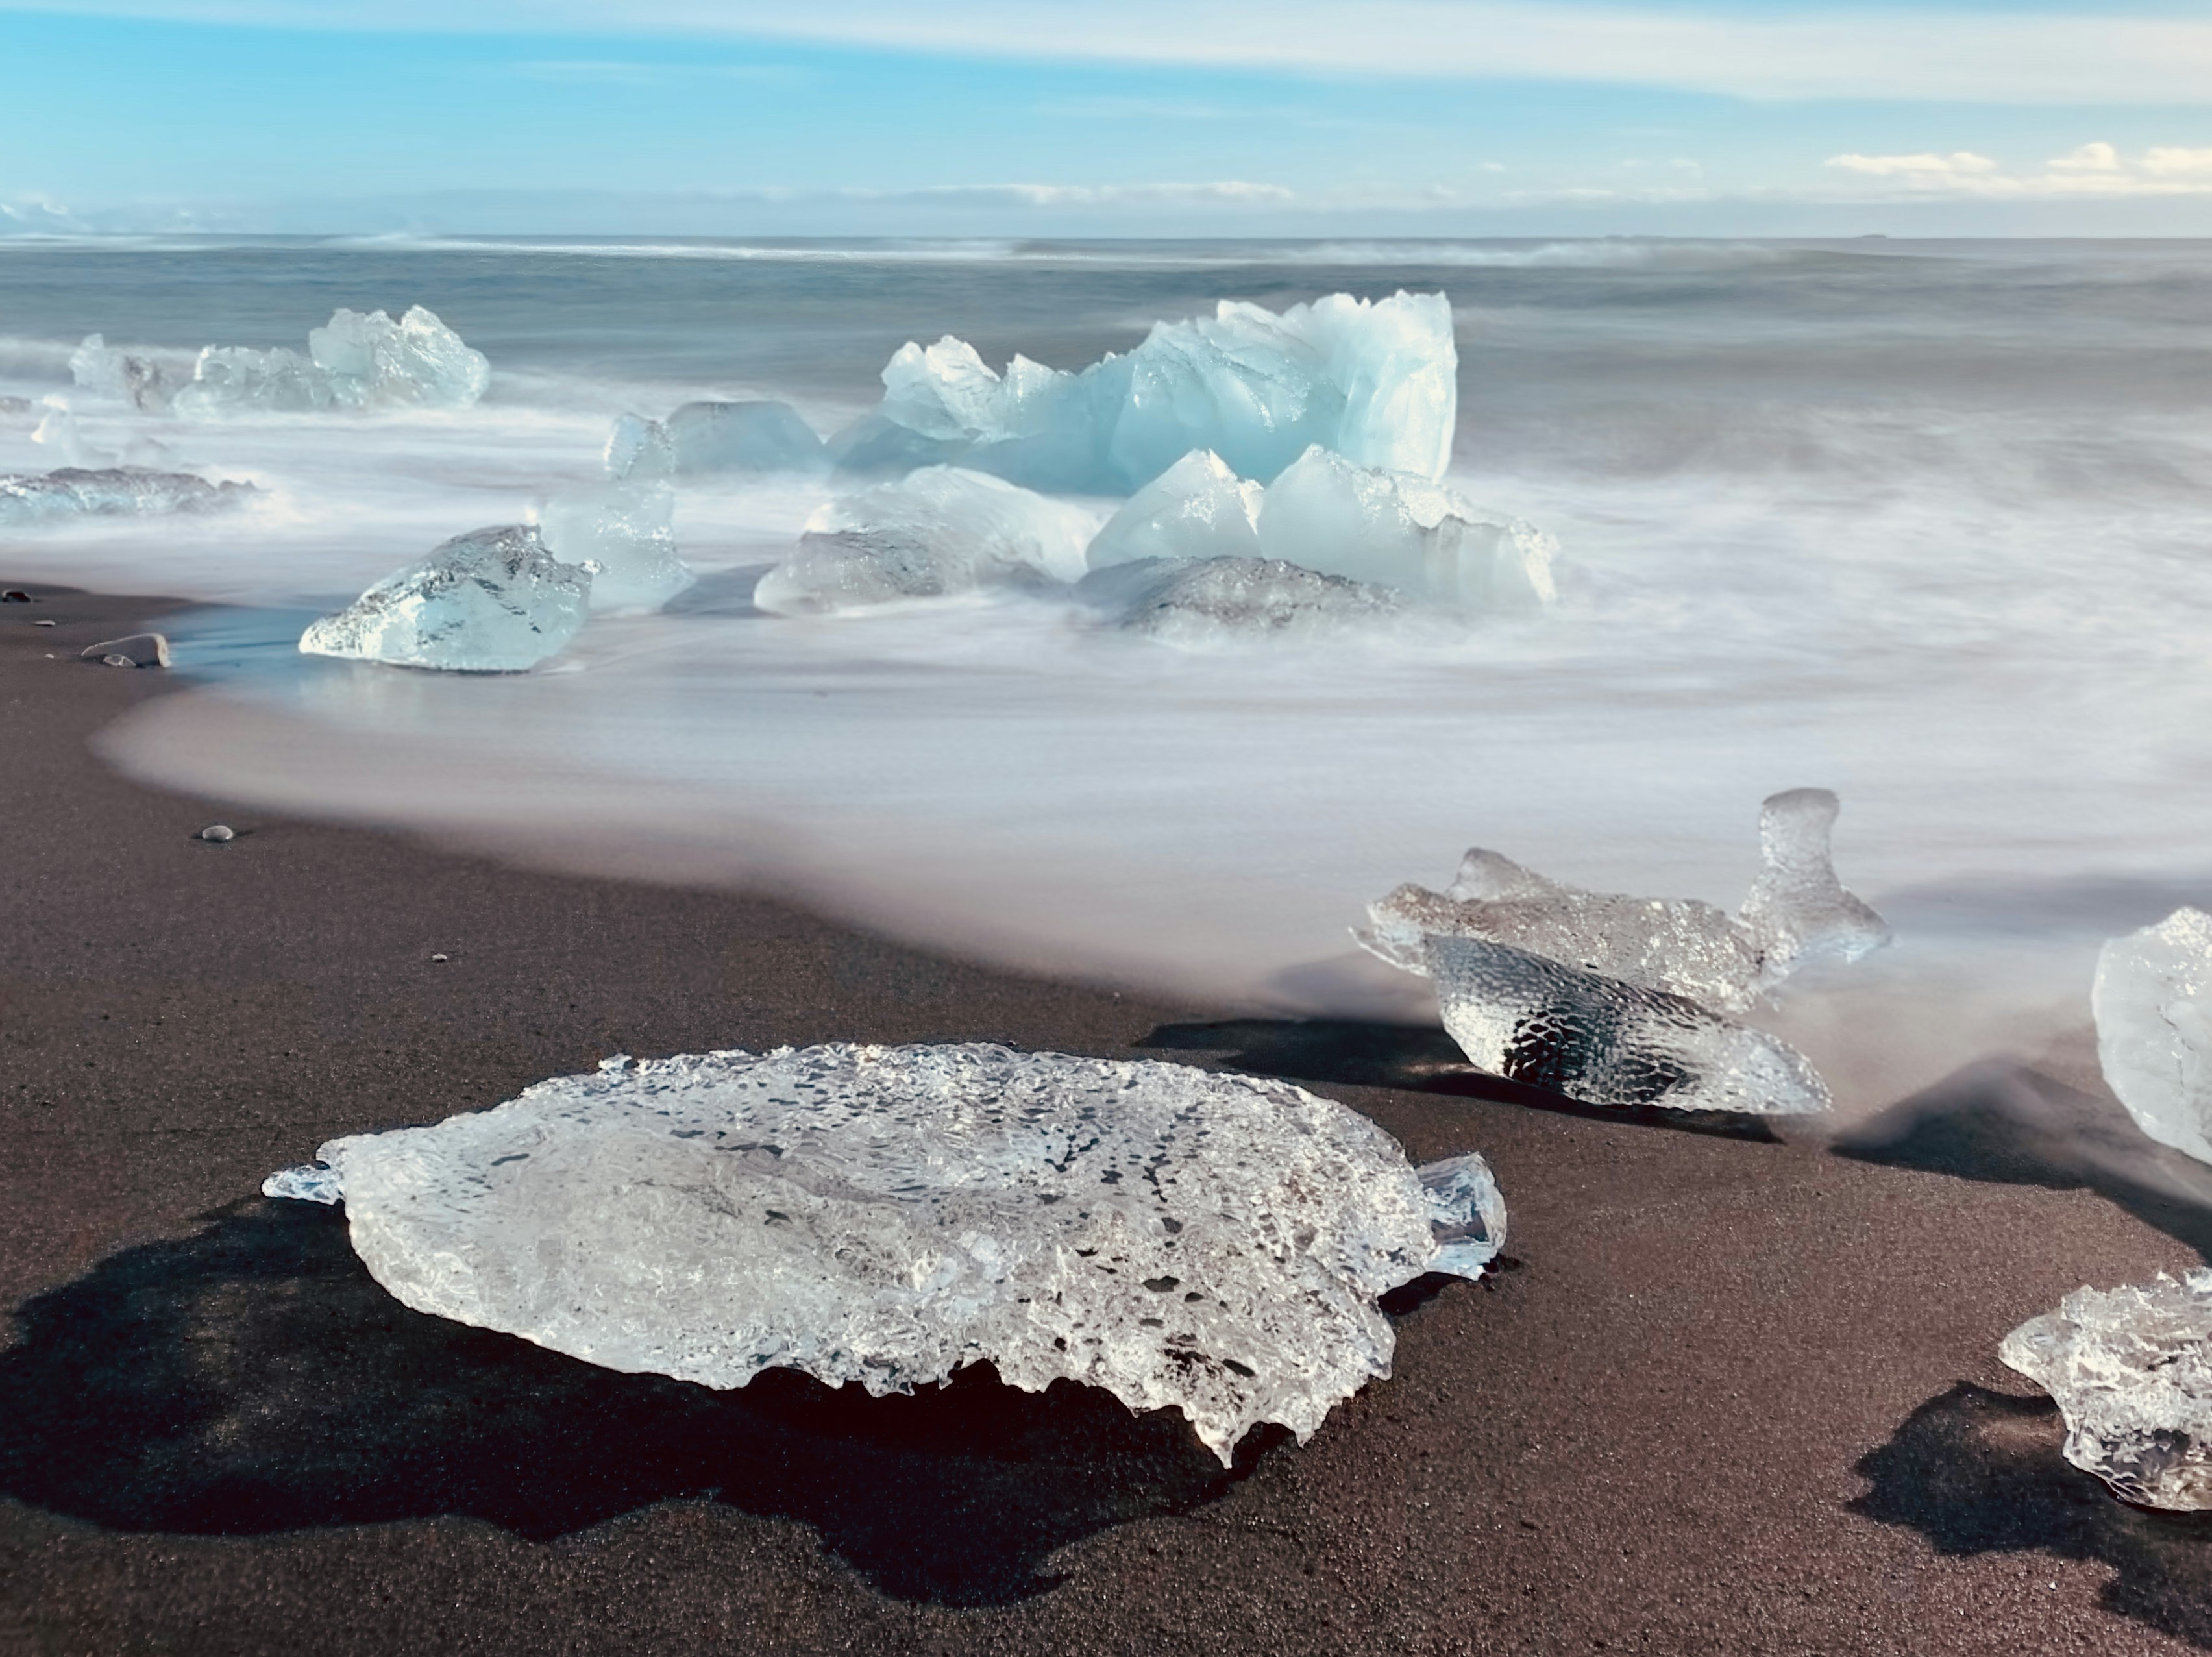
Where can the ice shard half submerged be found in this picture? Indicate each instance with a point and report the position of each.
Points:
(1214, 601)
(1375, 381)
(2153, 1002)
(2131, 1370)
(111, 492)
(492, 601)
(353, 361)
(1207, 1242)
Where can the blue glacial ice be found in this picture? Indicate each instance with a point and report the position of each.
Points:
(706, 440)
(628, 530)
(1374, 380)
(936, 532)
(1197, 508)
(111, 492)
(353, 362)
(492, 601)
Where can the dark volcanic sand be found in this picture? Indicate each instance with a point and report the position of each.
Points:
(1741, 1396)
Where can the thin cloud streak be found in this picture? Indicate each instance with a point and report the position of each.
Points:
(2095, 170)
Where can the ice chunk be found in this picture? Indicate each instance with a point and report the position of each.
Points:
(629, 531)
(1218, 600)
(638, 450)
(1533, 1019)
(306, 1184)
(744, 437)
(353, 361)
(1796, 912)
(1402, 531)
(112, 492)
(98, 366)
(939, 531)
(2153, 1003)
(2131, 1370)
(1374, 380)
(1197, 508)
(1182, 1238)
(492, 601)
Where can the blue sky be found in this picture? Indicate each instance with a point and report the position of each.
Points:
(1034, 117)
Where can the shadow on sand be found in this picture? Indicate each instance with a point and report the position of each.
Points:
(255, 1378)
(1979, 1472)
(1419, 1058)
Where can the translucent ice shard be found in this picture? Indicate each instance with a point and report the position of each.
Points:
(1197, 508)
(628, 530)
(638, 450)
(2131, 1370)
(111, 492)
(353, 361)
(1211, 1243)
(1796, 912)
(96, 365)
(1374, 381)
(2153, 1002)
(744, 437)
(1533, 1019)
(939, 531)
(306, 1184)
(1220, 600)
(492, 601)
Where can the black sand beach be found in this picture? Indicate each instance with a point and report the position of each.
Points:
(1735, 1395)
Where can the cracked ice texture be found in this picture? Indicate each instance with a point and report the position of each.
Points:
(1796, 912)
(628, 529)
(1211, 1243)
(353, 361)
(1376, 380)
(2131, 1370)
(1218, 601)
(2153, 1003)
(491, 601)
(111, 492)
(935, 532)
(1535, 1020)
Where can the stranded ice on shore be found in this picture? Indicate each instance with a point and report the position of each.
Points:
(2153, 1002)
(1211, 1243)
(492, 601)
(110, 492)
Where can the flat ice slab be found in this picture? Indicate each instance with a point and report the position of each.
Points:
(111, 492)
(491, 601)
(2153, 1002)
(1212, 1243)
(2131, 1370)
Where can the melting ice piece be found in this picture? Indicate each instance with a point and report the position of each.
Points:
(629, 530)
(1398, 530)
(1220, 600)
(1207, 1243)
(2153, 1002)
(940, 531)
(115, 491)
(491, 601)
(638, 450)
(353, 361)
(2131, 1370)
(96, 365)
(308, 1183)
(1374, 381)
(1196, 509)
(1797, 911)
(744, 437)
(1533, 1019)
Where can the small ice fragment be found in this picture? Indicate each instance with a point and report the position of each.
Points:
(440, 958)
(353, 361)
(111, 492)
(491, 601)
(889, 1214)
(937, 531)
(1197, 508)
(218, 834)
(45, 624)
(2152, 1004)
(639, 449)
(1797, 911)
(1533, 1019)
(627, 529)
(136, 650)
(310, 1182)
(744, 437)
(2131, 1370)
(1215, 601)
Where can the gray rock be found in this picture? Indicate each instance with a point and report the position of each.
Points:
(138, 650)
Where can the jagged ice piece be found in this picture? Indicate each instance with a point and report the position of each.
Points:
(1222, 600)
(629, 531)
(2131, 1370)
(96, 365)
(353, 361)
(2153, 1003)
(1530, 1018)
(638, 450)
(491, 601)
(115, 491)
(744, 437)
(1197, 508)
(1212, 1243)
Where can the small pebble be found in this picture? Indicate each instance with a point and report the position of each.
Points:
(440, 958)
(218, 833)
(45, 624)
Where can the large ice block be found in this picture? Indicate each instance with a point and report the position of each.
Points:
(353, 361)
(2131, 1370)
(1374, 381)
(1214, 601)
(492, 601)
(628, 530)
(1197, 508)
(1212, 1243)
(937, 531)
(2153, 1002)
(111, 492)
(710, 438)
(1533, 1019)
(1797, 911)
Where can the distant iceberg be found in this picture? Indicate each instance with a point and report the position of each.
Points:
(353, 362)
(1374, 381)
(111, 492)
(492, 601)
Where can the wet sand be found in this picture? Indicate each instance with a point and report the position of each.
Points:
(1735, 1394)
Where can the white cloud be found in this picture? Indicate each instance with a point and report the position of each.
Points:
(2178, 163)
(2033, 56)
(2097, 169)
(1960, 164)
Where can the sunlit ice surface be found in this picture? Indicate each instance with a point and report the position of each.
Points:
(1920, 524)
